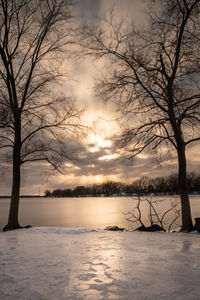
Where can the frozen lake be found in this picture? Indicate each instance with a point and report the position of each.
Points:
(83, 212)
(49, 263)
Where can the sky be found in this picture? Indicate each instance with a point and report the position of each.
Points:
(97, 161)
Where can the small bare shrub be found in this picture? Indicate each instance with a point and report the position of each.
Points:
(165, 219)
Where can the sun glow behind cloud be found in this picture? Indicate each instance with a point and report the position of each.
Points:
(98, 142)
(109, 157)
(99, 162)
(62, 181)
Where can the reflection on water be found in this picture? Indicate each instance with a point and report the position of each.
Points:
(81, 212)
(100, 271)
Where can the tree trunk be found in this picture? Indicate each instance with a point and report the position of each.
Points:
(14, 204)
(182, 180)
(182, 167)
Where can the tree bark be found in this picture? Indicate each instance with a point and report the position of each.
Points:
(182, 180)
(14, 205)
(182, 166)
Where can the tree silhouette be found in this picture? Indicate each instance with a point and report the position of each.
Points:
(33, 34)
(154, 80)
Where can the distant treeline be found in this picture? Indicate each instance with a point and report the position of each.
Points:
(145, 185)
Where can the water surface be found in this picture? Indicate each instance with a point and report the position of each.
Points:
(91, 212)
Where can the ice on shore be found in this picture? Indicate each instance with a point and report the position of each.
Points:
(49, 263)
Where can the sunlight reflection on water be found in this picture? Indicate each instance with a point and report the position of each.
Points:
(83, 212)
(101, 266)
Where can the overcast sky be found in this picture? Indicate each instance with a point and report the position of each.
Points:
(97, 162)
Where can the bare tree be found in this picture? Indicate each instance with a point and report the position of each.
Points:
(154, 80)
(35, 113)
(164, 218)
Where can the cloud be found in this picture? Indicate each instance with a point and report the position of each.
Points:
(94, 160)
(88, 168)
(89, 9)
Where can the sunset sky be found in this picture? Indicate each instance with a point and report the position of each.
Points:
(97, 162)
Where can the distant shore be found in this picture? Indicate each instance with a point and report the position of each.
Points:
(25, 196)
(101, 196)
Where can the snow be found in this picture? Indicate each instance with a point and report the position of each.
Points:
(48, 263)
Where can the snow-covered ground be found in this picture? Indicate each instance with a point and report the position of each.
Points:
(79, 264)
